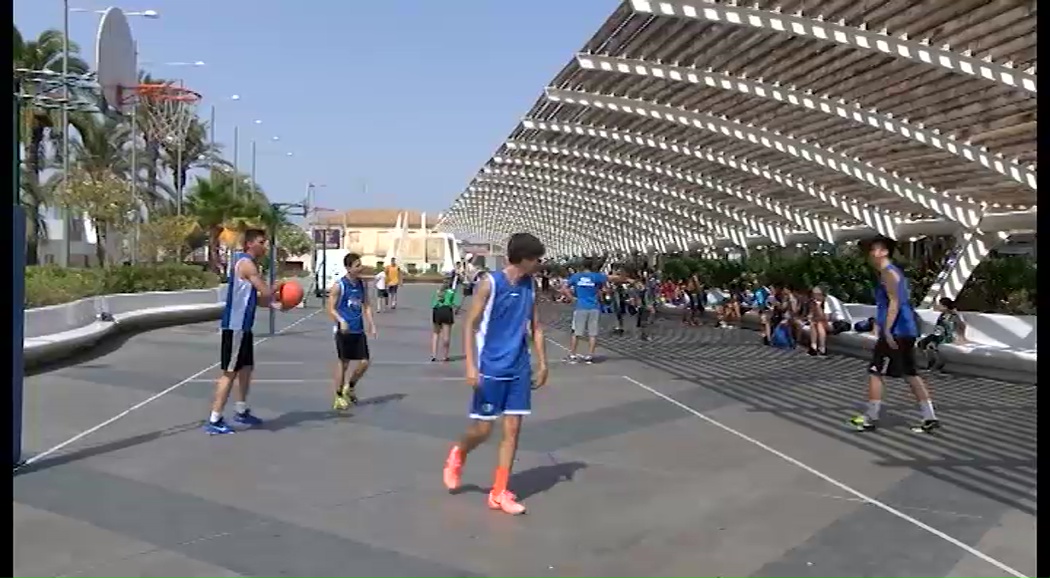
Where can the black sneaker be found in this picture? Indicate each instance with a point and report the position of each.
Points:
(812, 352)
(927, 426)
(765, 340)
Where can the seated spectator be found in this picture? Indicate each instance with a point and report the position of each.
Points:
(820, 317)
(949, 328)
(772, 313)
(729, 312)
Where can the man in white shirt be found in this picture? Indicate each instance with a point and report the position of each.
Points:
(380, 283)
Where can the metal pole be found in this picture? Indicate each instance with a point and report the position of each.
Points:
(134, 188)
(18, 274)
(236, 142)
(273, 269)
(253, 172)
(178, 177)
(212, 126)
(67, 228)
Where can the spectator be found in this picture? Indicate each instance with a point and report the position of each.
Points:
(819, 316)
(949, 328)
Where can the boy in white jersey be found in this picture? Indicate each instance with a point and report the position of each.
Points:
(380, 282)
(499, 367)
(245, 292)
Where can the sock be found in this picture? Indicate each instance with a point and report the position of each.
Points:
(240, 406)
(873, 409)
(214, 417)
(499, 482)
(926, 408)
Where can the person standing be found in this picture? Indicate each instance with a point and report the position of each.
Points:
(585, 288)
(896, 328)
(351, 310)
(245, 291)
(444, 304)
(381, 294)
(393, 281)
(500, 323)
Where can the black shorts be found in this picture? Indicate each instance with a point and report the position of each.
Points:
(898, 362)
(468, 289)
(382, 294)
(351, 346)
(444, 316)
(391, 289)
(236, 350)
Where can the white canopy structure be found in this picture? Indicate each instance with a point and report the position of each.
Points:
(704, 123)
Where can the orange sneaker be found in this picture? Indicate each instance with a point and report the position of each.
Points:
(507, 502)
(453, 468)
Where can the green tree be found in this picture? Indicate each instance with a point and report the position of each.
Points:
(105, 199)
(216, 206)
(292, 240)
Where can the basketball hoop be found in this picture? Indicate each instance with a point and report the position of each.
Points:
(169, 111)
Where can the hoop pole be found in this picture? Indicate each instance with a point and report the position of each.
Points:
(236, 144)
(134, 191)
(67, 221)
(18, 277)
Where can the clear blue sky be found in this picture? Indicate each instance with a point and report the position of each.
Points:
(408, 96)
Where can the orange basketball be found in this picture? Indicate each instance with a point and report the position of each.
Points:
(291, 294)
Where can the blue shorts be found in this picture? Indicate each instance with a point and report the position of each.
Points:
(494, 397)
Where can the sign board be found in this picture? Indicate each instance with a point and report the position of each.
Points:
(329, 238)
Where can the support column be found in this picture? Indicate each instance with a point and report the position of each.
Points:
(969, 251)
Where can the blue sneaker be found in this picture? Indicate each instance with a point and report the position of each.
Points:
(247, 418)
(218, 427)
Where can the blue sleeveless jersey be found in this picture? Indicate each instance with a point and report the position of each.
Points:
(241, 299)
(502, 338)
(904, 325)
(352, 299)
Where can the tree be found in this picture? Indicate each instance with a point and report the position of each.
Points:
(34, 196)
(292, 240)
(163, 236)
(213, 201)
(105, 199)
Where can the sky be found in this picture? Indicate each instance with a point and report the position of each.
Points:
(388, 103)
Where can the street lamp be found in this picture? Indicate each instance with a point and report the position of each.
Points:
(151, 14)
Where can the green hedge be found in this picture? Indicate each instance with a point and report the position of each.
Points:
(51, 285)
(1004, 284)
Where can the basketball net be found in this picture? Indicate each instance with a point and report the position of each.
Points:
(169, 111)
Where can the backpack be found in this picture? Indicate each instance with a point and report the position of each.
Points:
(781, 337)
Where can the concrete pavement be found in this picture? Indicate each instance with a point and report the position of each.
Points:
(620, 474)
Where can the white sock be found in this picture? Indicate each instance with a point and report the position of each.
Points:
(240, 406)
(214, 417)
(926, 408)
(873, 409)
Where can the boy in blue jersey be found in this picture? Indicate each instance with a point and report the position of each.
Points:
(585, 288)
(499, 368)
(897, 328)
(351, 310)
(245, 291)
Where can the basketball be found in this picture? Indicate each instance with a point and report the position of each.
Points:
(291, 294)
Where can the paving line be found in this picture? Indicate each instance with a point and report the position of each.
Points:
(840, 485)
(144, 402)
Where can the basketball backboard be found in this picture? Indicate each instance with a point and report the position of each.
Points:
(116, 61)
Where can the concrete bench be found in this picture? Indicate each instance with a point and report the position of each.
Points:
(57, 331)
(998, 346)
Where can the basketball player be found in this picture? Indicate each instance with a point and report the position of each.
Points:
(245, 291)
(499, 367)
(897, 328)
(350, 308)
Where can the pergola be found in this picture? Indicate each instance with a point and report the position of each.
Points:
(704, 124)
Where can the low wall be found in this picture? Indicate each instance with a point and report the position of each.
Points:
(57, 331)
(999, 346)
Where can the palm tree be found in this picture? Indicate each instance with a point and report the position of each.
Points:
(216, 206)
(44, 53)
(196, 151)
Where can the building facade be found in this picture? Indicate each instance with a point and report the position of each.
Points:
(380, 234)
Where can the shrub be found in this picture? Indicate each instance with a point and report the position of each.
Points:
(51, 285)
